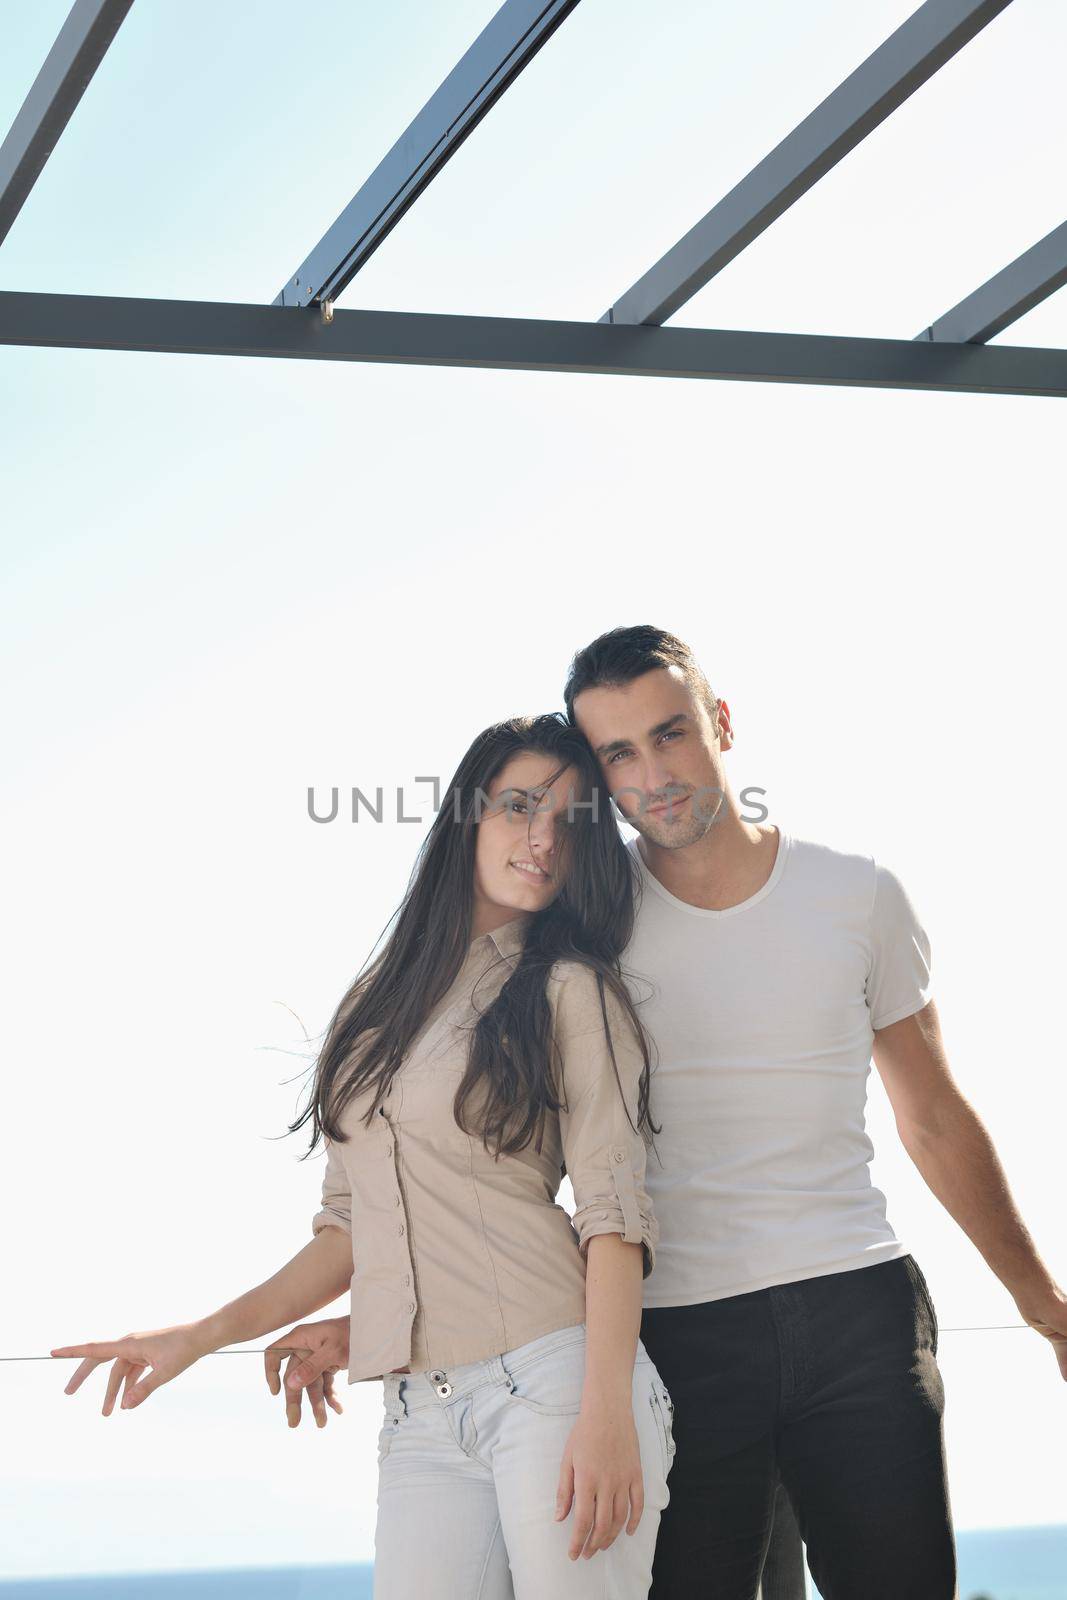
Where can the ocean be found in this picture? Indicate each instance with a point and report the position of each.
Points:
(995, 1564)
(1010, 1564)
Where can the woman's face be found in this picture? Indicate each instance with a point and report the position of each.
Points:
(521, 849)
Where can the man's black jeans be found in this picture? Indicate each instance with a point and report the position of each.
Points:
(832, 1383)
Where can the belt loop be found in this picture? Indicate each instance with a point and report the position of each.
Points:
(498, 1373)
(395, 1403)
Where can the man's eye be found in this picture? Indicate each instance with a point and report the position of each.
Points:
(615, 757)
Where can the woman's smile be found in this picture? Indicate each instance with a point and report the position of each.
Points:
(529, 870)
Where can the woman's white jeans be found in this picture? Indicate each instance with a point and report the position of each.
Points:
(468, 1468)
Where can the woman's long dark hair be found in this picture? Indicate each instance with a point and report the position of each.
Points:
(510, 1055)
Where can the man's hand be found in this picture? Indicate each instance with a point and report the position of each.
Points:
(1050, 1319)
(316, 1350)
(951, 1147)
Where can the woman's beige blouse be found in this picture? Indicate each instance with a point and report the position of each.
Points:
(457, 1257)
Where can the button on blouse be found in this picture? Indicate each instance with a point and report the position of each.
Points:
(458, 1256)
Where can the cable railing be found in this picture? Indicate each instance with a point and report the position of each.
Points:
(983, 1327)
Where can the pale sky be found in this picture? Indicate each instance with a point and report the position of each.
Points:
(227, 580)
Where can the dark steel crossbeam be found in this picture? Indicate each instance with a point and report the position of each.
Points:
(80, 46)
(911, 55)
(102, 322)
(493, 62)
(1007, 296)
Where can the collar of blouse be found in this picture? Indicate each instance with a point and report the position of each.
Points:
(509, 937)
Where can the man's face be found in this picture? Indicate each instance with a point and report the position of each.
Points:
(660, 753)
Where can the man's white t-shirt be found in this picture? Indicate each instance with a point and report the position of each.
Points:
(762, 1016)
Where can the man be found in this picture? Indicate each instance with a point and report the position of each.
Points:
(793, 1329)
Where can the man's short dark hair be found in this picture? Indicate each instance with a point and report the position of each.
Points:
(622, 654)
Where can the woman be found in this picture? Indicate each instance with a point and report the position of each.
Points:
(490, 1046)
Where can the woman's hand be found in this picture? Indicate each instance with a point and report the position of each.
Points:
(601, 1476)
(167, 1351)
(316, 1351)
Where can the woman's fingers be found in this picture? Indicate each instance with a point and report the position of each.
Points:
(584, 1517)
(307, 1369)
(289, 1349)
(125, 1369)
(293, 1396)
(79, 1375)
(146, 1384)
(637, 1503)
(565, 1487)
(318, 1387)
(318, 1405)
(99, 1350)
(608, 1519)
(119, 1372)
(95, 1355)
(620, 1510)
(276, 1353)
(314, 1352)
(331, 1398)
(601, 1535)
(600, 1514)
(272, 1361)
(142, 1361)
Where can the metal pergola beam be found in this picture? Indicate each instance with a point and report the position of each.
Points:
(81, 44)
(1007, 296)
(495, 59)
(102, 322)
(911, 55)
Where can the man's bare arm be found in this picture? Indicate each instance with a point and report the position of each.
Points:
(949, 1144)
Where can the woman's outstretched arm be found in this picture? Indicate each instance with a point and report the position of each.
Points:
(315, 1277)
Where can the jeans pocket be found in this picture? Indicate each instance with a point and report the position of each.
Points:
(922, 1289)
(551, 1384)
(663, 1411)
(386, 1434)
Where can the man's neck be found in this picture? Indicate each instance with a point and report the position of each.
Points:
(729, 864)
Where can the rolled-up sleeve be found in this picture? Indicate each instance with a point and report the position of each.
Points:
(336, 1204)
(604, 1156)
